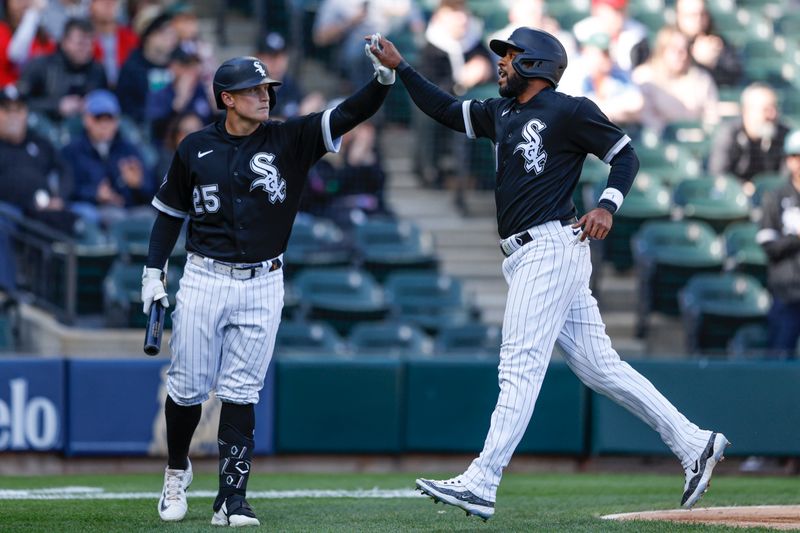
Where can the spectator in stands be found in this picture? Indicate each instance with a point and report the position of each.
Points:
(187, 26)
(110, 175)
(58, 12)
(21, 37)
(55, 84)
(707, 48)
(348, 185)
(780, 238)
(147, 68)
(533, 14)
(114, 41)
(179, 127)
(292, 99)
(629, 45)
(456, 60)
(344, 23)
(33, 177)
(674, 89)
(753, 144)
(599, 79)
(186, 92)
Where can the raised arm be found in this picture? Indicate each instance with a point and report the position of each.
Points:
(433, 101)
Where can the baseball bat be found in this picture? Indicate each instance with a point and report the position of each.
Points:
(155, 329)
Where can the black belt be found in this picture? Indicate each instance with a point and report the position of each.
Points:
(525, 237)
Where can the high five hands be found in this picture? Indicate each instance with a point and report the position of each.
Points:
(383, 50)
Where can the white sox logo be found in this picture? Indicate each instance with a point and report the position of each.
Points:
(270, 179)
(535, 156)
(260, 68)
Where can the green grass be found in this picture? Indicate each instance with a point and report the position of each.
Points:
(526, 502)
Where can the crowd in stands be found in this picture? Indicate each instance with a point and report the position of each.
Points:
(97, 94)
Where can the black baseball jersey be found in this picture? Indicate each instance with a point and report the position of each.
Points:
(241, 194)
(540, 148)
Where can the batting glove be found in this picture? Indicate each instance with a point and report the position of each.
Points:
(385, 75)
(153, 288)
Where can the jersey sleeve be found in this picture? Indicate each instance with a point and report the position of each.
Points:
(592, 132)
(175, 193)
(311, 136)
(479, 117)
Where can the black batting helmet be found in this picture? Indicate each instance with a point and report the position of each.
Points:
(241, 73)
(541, 54)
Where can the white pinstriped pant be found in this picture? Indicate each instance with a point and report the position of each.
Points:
(223, 334)
(549, 300)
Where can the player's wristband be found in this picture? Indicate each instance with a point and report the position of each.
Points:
(611, 200)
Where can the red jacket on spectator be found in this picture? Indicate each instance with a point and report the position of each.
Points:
(127, 41)
(9, 72)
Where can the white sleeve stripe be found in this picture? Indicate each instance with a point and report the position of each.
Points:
(616, 148)
(467, 119)
(164, 208)
(331, 144)
(767, 235)
(613, 195)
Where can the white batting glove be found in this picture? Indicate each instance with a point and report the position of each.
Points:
(385, 75)
(153, 288)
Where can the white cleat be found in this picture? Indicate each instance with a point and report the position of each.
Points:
(453, 492)
(698, 476)
(235, 512)
(172, 505)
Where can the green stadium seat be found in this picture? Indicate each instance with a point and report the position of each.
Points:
(122, 295)
(388, 245)
(763, 183)
(648, 199)
(743, 253)
(669, 162)
(389, 339)
(473, 339)
(316, 242)
(341, 297)
(717, 201)
(667, 254)
(714, 306)
(690, 135)
(132, 237)
(428, 299)
(750, 341)
(308, 338)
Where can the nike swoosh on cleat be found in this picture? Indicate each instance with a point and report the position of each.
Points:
(696, 467)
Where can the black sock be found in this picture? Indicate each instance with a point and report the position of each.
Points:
(235, 437)
(181, 423)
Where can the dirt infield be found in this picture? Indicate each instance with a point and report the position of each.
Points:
(769, 516)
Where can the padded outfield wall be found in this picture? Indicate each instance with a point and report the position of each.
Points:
(373, 405)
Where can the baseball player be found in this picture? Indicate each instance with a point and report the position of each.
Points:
(541, 140)
(239, 182)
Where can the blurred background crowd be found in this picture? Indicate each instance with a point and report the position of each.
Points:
(96, 94)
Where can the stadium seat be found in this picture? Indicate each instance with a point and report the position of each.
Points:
(132, 237)
(122, 295)
(389, 339)
(671, 163)
(94, 252)
(341, 296)
(743, 254)
(717, 201)
(428, 299)
(714, 306)
(473, 338)
(750, 341)
(667, 254)
(648, 199)
(308, 338)
(690, 135)
(388, 245)
(316, 242)
(764, 183)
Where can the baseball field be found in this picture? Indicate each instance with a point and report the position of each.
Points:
(375, 502)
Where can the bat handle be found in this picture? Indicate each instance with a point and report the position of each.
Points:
(155, 329)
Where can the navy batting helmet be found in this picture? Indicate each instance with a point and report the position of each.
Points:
(541, 54)
(241, 73)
